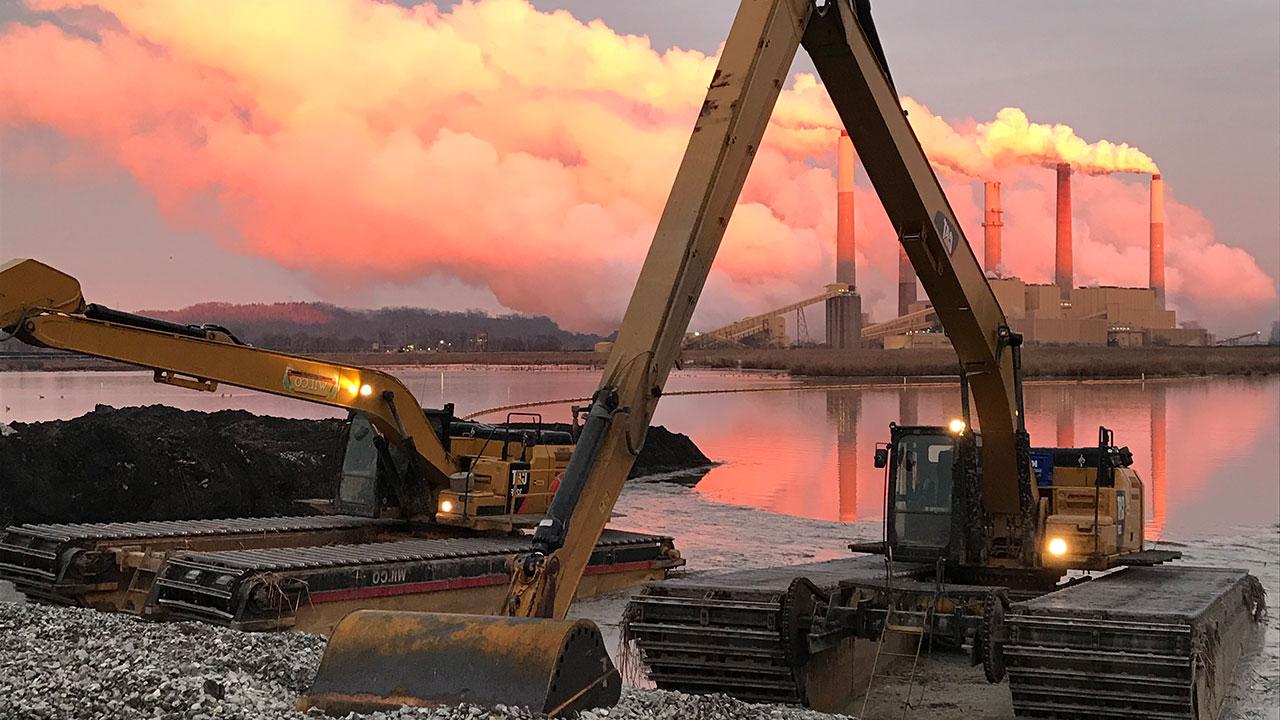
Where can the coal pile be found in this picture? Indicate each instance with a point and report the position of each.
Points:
(161, 463)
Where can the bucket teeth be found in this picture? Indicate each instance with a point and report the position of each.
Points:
(378, 660)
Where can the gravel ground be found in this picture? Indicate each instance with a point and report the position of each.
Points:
(73, 664)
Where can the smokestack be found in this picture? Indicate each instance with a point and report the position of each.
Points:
(906, 282)
(1156, 281)
(1062, 275)
(991, 224)
(844, 310)
(846, 264)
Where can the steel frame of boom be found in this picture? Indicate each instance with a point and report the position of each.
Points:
(752, 70)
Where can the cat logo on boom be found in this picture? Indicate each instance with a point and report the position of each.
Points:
(946, 233)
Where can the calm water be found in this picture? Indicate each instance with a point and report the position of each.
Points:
(1208, 449)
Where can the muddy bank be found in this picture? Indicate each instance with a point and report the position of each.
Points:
(160, 463)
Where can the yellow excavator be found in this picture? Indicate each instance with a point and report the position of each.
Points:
(420, 465)
(967, 512)
(428, 508)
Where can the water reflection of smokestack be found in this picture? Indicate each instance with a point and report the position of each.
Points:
(843, 407)
(908, 406)
(1156, 485)
(1066, 419)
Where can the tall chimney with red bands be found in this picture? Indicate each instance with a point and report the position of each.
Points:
(1156, 281)
(846, 247)
(992, 223)
(1062, 275)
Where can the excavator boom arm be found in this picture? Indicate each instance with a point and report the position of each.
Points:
(852, 70)
(739, 102)
(752, 69)
(43, 306)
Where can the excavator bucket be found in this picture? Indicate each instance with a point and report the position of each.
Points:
(379, 660)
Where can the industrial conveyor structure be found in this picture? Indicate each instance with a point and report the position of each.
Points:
(916, 321)
(760, 325)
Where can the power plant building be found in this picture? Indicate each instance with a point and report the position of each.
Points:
(1090, 315)
(1044, 313)
(1064, 314)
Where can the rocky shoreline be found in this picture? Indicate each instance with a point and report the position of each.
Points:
(61, 663)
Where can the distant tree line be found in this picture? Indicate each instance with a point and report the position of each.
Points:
(320, 327)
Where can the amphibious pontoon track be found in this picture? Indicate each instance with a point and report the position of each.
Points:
(288, 572)
(267, 589)
(63, 563)
(1145, 642)
(733, 633)
(1139, 642)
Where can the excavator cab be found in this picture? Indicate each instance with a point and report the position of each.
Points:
(359, 490)
(921, 482)
(507, 472)
(922, 468)
(1090, 514)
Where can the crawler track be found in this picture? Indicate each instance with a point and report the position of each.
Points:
(270, 588)
(1158, 642)
(60, 563)
(735, 633)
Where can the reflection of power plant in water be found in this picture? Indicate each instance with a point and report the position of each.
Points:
(843, 407)
(908, 406)
(1066, 418)
(1159, 472)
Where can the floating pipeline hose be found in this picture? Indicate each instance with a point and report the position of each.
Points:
(796, 386)
(718, 391)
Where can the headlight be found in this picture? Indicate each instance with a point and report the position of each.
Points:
(957, 426)
(1057, 547)
(446, 506)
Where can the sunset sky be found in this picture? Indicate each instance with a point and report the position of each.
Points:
(503, 156)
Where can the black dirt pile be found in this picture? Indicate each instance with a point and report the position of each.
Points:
(664, 452)
(160, 463)
(670, 453)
